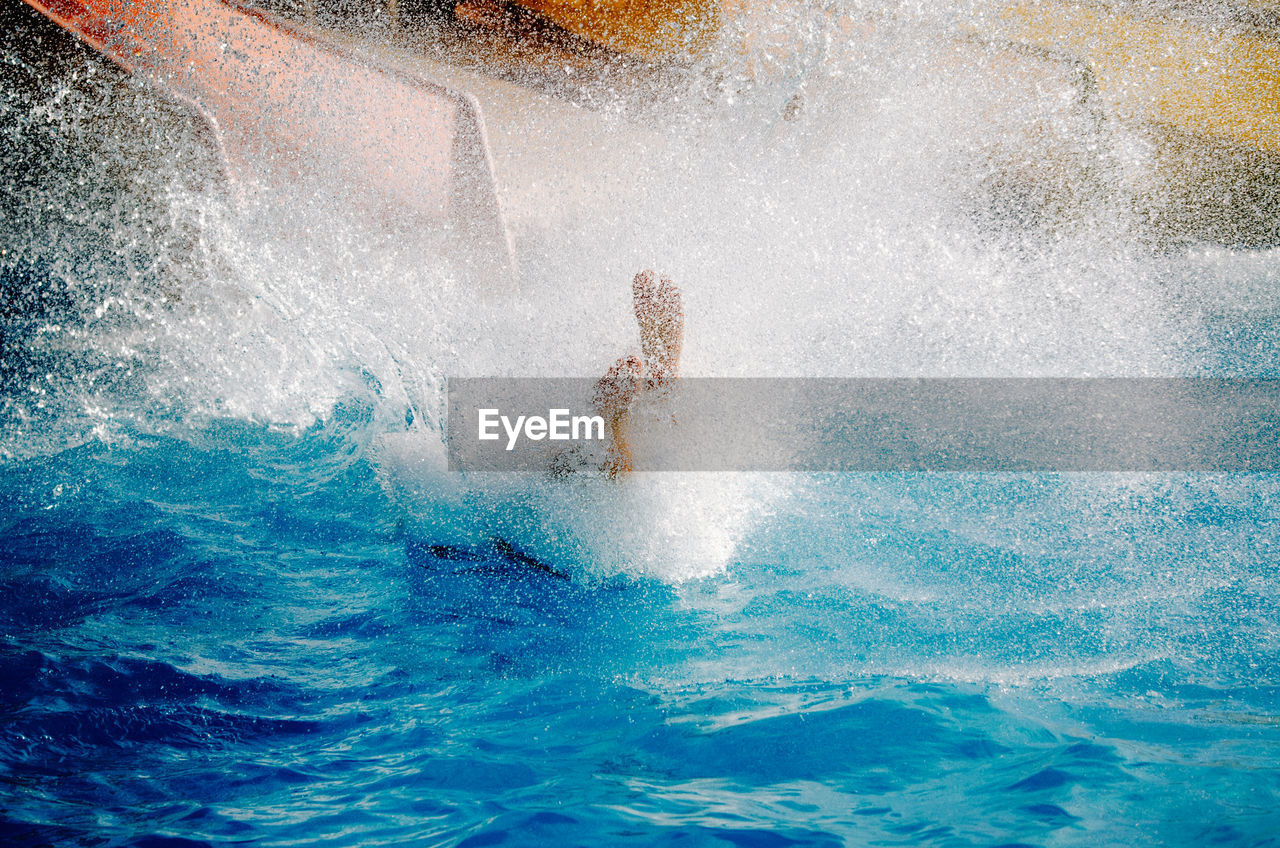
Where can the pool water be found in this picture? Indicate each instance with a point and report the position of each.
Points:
(242, 602)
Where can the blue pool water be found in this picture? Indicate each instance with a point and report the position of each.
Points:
(242, 603)
(200, 649)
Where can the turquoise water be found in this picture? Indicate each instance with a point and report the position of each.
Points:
(199, 649)
(241, 602)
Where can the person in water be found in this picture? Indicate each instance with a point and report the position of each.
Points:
(660, 314)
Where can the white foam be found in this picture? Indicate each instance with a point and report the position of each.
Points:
(837, 245)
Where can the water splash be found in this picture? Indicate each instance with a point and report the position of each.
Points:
(874, 229)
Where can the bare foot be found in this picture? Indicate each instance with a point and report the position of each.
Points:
(660, 313)
(616, 391)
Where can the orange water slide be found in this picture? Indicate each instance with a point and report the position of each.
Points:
(284, 102)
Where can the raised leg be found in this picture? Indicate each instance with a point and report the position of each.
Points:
(616, 391)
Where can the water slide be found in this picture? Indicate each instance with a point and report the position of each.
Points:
(1212, 72)
(1197, 83)
(394, 147)
(290, 96)
(1215, 78)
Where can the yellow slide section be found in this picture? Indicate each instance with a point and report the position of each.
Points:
(1222, 84)
(1209, 80)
